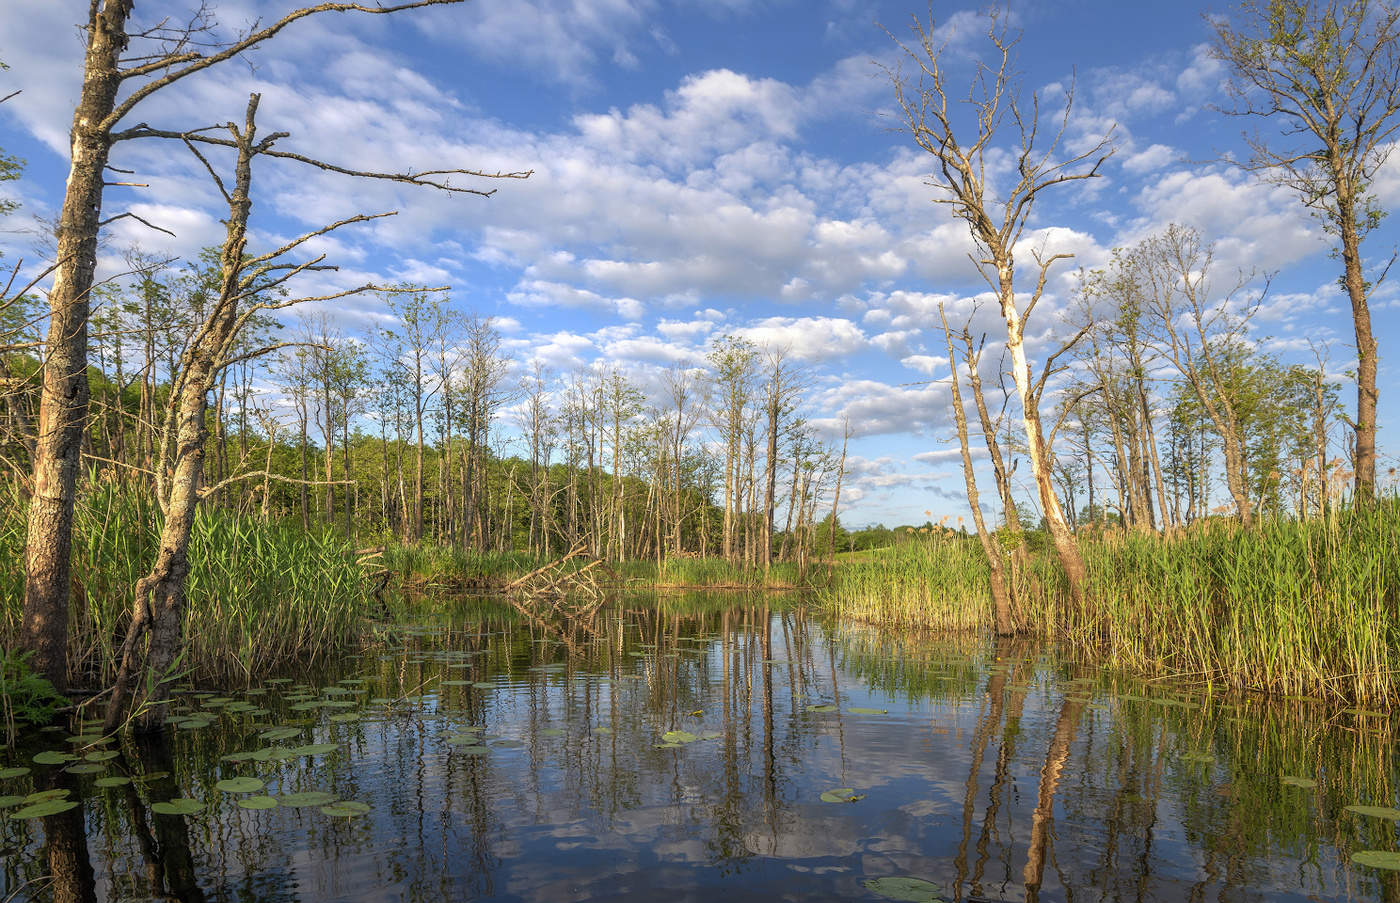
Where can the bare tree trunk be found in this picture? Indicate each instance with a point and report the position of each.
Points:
(1055, 756)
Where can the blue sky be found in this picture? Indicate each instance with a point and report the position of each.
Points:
(702, 167)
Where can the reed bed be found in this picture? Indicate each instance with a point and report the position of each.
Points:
(260, 596)
(1285, 607)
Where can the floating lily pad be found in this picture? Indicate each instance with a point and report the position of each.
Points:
(455, 683)
(1376, 859)
(483, 685)
(912, 890)
(463, 740)
(679, 737)
(18, 771)
(239, 785)
(42, 795)
(86, 768)
(47, 807)
(54, 757)
(101, 755)
(1295, 781)
(314, 749)
(193, 724)
(1199, 758)
(823, 708)
(113, 781)
(471, 750)
(1376, 812)
(862, 710)
(306, 798)
(280, 733)
(237, 757)
(346, 717)
(7, 802)
(602, 730)
(257, 802)
(178, 806)
(345, 809)
(842, 795)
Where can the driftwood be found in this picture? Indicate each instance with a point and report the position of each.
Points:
(558, 589)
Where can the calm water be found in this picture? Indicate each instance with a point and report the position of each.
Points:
(497, 759)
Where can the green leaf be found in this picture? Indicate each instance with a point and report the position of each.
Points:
(47, 807)
(679, 737)
(18, 771)
(842, 795)
(239, 785)
(1295, 781)
(54, 757)
(178, 806)
(280, 733)
(113, 781)
(822, 708)
(1376, 859)
(463, 740)
(86, 768)
(8, 801)
(911, 890)
(862, 710)
(314, 749)
(306, 798)
(102, 755)
(257, 802)
(345, 809)
(346, 717)
(471, 750)
(1376, 812)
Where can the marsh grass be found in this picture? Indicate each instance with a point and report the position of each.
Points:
(1286, 607)
(260, 596)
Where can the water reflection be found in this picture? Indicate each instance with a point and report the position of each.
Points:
(681, 747)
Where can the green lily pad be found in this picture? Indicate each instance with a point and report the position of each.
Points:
(47, 807)
(1376, 859)
(346, 717)
(239, 785)
(1295, 781)
(483, 685)
(193, 724)
(280, 733)
(463, 740)
(912, 890)
(1376, 812)
(842, 795)
(345, 809)
(314, 749)
(551, 732)
(473, 750)
(53, 757)
(7, 802)
(86, 768)
(509, 744)
(257, 802)
(113, 781)
(455, 683)
(237, 756)
(306, 798)
(18, 771)
(178, 806)
(40, 796)
(823, 708)
(602, 730)
(101, 755)
(862, 710)
(679, 737)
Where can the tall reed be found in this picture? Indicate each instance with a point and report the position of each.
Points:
(260, 596)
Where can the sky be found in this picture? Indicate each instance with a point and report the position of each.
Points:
(704, 168)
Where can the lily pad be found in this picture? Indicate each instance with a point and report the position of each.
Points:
(53, 757)
(239, 785)
(551, 732)
(306, 798)
(101, 755)
(823, 708)
(113, 781)
(257, 802)
(345, 809)
(1295, 781)
(483, 685)
(280, 733)
(346, 717)
(47, 807)
(1376, 812)
(7, 802)
(178, 806)
(912, 890)
(842, 795)
(1376, 859)
(862, 710)
(18, 771)
(86, 768)
(42, 795)
(679, 737)
(314, 749)
(473, 750)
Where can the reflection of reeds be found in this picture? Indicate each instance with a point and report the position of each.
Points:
(1288, 607)
(260, 595)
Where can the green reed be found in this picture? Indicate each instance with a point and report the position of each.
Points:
(1286, 607)
(259, 596)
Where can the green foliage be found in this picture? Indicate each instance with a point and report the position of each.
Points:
(25, 698)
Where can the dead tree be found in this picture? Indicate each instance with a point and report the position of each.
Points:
(997, 224)
(245, 284)
(122, 67)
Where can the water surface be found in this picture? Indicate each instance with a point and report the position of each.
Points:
(680, 749)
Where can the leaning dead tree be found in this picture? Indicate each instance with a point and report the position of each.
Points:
(997, 224)
(247, 285)
(123, 66)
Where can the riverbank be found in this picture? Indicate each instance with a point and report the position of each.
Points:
(1291, 608)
